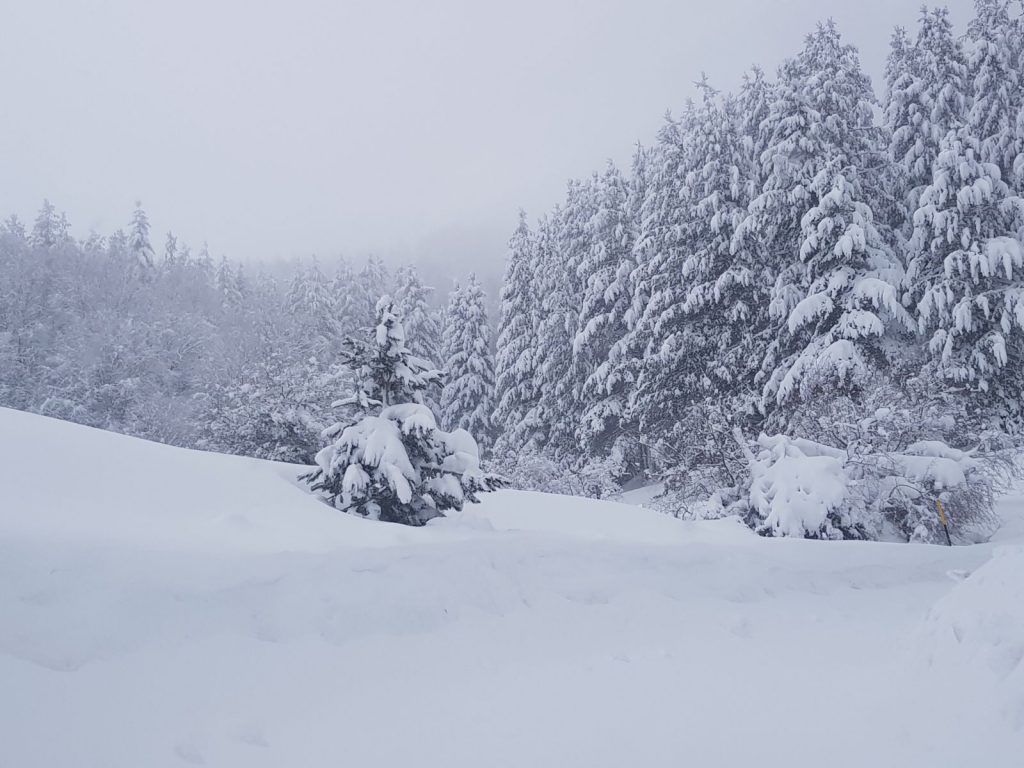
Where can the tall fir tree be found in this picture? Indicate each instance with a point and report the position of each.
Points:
(665, 377)
(50, 229)
(515, 412)
(604, 266)
(467, 398)
(422, 325)
(558, 379)
(996, 44)
(139, 247)
(814, 218)
(967, 278)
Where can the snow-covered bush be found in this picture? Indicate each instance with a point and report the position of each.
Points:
(801, 488)
(392, 462)
(601, 476)
(277, 411)
(399, 467)
(875, 476)
(699, 457)
(530, 470)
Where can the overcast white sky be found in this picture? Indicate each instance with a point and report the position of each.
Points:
(417, 128)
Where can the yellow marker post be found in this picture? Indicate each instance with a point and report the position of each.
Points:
(942, 519)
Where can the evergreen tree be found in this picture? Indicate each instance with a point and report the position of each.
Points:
(346, 298)
(422, 325)
(310, 301)
(170, 250)
(372, 282)
(392, 462)
(813, 214)
(12, 226)
(665, 376)
(50, 229)
(603, 274)
(560, 248)
(515, 415)
(726, 286)
(995, 60)
(966, 277)
(612, 385)
(850, 302)
(227, 285)
(467, 399)
(928, 96)
(138, 240)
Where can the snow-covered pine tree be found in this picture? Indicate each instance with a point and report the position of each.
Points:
(393, 463)
(627, 296)
(50, 229)
(372, 282)
(726, 287)
(421, 322)
(227, 285)
(996, 46)
(928, 95)
(967, 278)
(666, 378)
(515, 412)
(12, 226)
(139, 247)
(242, 287)
(467, 399)
(745, 287)
(295, 295)
(814, 213)
(347, 301)
(851, 303)
(561, 244)
(603, 271)
(170, 251)
(310, 301)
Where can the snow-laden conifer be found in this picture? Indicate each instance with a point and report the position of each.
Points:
(514, 415)
(967, 276)
(392, 462)
(467, 398)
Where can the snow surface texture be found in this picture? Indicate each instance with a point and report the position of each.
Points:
(162, 607)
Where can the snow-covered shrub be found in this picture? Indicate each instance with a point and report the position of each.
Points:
(801, 488)
(399, 467)
(700, 458)
(876, 472)
(530, 470)
(601, 476)
(392, 462)
(277, 411)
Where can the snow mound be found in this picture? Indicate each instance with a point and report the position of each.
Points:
(64, 481)
(978, 629)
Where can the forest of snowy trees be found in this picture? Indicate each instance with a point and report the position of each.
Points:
(176, 347)
(802, 305)
(796, 260)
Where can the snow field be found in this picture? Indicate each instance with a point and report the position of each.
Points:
(163, 607)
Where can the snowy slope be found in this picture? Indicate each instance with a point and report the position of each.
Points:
(161, 607)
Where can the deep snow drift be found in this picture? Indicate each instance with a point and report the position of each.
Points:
(160, 607)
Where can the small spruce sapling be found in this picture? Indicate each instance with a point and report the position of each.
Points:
(393, 463)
